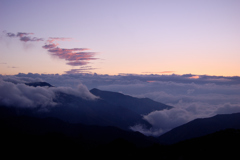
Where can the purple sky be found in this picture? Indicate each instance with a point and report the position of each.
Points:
(127, 36)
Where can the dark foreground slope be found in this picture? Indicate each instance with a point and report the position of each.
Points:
(223, 144)
(29, 137)
(201, 127)
(23, 135)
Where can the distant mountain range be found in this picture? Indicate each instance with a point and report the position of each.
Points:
(78, 127)
(111, 109)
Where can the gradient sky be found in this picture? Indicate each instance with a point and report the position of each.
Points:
(120, 36)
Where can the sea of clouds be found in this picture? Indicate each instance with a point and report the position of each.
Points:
(191, 96)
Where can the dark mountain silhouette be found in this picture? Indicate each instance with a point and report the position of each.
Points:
(41, 84)
(201, 127)
(52, 136)
(112, 109)
(28, 137)
(93, 112)
(218, 145)
(141, 106)
(88, 133)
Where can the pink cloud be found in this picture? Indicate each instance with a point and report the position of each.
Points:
(52, 39)
(49, 46)
(75, 56)
(22, 34)
(72, 54)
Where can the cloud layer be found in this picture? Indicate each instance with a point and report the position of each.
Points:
(14, 92)
(198, 97)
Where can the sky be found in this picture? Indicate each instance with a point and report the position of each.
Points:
(120, 37)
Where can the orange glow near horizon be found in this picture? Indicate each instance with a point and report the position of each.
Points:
(194, 77)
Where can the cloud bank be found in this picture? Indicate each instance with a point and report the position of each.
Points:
(24, 96)
(15, 93)
(191, 97)
(198, 97)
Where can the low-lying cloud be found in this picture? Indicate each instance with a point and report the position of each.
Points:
(199, 97)
(15, 93)
(24, 96)
(165, 120)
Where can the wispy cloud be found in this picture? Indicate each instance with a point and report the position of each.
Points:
(166, 72)
(162, 72)
(77, 63)
(11, 34)
(83, 69)
(74, 56)
(24, 37)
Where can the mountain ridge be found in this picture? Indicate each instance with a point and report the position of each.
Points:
(201, 127)
(141, 106)
(26, 136)
(122, 111)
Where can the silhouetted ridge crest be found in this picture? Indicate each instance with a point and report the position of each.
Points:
(139, 105)
(201, 127)
(41, 84)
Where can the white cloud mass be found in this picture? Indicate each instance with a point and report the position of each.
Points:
(14, 92)
(25, 96)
